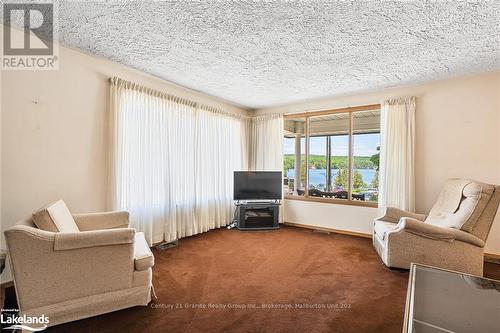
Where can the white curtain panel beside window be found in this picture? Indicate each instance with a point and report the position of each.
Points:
(172, 162)
(397, 154)
(266, 146)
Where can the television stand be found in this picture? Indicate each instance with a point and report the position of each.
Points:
(257, 215)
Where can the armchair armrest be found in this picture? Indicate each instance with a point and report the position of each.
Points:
(438, 233)
(100, 221)
(394, 215)
(426, 230)
(84, 239)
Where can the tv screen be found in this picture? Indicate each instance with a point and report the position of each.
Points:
(257, 185)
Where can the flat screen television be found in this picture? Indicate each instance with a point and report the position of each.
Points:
(257, 185)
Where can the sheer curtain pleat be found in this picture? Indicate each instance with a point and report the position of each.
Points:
(172, 162)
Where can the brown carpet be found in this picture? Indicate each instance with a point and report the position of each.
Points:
(339, 278)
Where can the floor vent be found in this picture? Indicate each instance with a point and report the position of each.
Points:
(165, 246)
(319, 231)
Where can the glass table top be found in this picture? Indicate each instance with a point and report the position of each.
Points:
(446, 301)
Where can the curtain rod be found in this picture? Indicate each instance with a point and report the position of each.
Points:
(157, 93)
(150, 91)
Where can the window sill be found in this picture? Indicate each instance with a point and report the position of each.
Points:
(333, 201)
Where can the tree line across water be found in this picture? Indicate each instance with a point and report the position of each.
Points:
(338, 162)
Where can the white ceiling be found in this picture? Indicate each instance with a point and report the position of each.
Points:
(259, 54)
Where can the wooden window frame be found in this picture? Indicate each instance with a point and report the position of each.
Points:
(307, 116)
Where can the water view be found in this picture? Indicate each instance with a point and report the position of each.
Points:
(317, 177)
(334, 141)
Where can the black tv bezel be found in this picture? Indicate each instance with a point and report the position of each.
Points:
(254, 172)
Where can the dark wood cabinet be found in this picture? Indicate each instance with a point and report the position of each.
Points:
(257, 216)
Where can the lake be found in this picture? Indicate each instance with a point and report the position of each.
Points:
(318, 176)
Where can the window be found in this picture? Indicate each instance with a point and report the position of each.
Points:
(295, 156)
(339, 149)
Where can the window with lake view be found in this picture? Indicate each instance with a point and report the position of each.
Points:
(336, 153)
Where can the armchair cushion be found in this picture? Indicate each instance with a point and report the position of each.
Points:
(382, 227)
(143, 257)
(460, 204)
(56, 218)
(83, 239)
(485, 196)
(451, 195)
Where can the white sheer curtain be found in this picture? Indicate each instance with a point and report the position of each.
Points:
(267, 143)
(397, 154)
(171, 162)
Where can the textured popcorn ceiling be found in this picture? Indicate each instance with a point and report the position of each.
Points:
(259, 54)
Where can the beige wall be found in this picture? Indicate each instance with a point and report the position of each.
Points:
(458, 135)
(53, 133)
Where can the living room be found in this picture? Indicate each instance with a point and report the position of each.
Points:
(120, 164)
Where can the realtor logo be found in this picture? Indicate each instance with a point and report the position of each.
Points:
(29, 31)
(12, 321)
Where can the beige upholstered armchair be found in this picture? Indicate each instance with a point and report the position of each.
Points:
(451, 237)
(79, 265)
